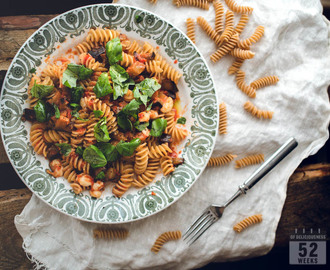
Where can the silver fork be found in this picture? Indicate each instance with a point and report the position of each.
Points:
(214, 212)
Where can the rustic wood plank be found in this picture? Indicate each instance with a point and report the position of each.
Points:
(3, 155)
(325, 3)
(307, 205)
(24, 21)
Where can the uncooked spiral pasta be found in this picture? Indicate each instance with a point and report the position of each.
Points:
(247, 222)
(222, 118)
(221, 160)
(256, 36)
(241, 24)
(191, 29)
(110, 233)
(249, 107)
(236, 65)
(209, 30)
(167, 165)
(264, 81)
(243, 54)
(229, 27)
(249, 160)
(196, 3)
(163, 238)
(225, 49)
(240, 80)
(141, 158)
(219, 11)
(238, 9)
(149, 174)
(125, 181)
(92, 113)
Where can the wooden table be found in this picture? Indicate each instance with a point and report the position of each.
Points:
(307, 204)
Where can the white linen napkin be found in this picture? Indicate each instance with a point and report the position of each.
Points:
(295, 47)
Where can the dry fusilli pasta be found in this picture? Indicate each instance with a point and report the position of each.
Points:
(238, 9)
(243, 54)
(242, 225)
(236, 65)
(209, 30)
(249, 160)
(256, 36)
(191, 29)
(222, 118)
(241, 24)
(110, 233)
(249, 107)
(219, 12)
(240, 79)
(222, 160)
(196, 3)
(163, 238)
(264, 81)
(225, 49)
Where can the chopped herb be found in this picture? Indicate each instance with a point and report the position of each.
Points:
(114, 51)
(57, 112)
(97, 113)
(100, 175)
(65, 148)
(74, 105)
(141, 126)
(121, 80)
(32, 70)
(76, 94)
(79, 150)
(109, 151)
(128, 148)
(181, 120)
(41, 91)
(157, 127)
(102, 87)
(75, 72)
(144, 90)
(138, 18)
(94, 156)
(124, 122)
(101, 131)
(41, 111)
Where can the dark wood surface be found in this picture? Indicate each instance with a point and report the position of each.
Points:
(307, 204)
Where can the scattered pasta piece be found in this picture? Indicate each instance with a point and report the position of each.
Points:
(191, 29)
(238, 9)
(196, 3)
(153, 1)
(242, 225)
(241, 24)
(225, 49)
(209, 30)
(110, 234)
(256, 36)
(219, 12)
(249, 160)
(222, 118)
(229, 27)
(163, 238)
(222, 160)
(236, 65)
(249, 107)
(264, 81)
(243, 54)
(241, 84)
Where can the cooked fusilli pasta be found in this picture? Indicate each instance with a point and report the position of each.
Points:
(249, 160)
(249, 107)
(125, 181)
(149, 174)
(141, 158)
(37, 140)
(247, 222)
(163, 238)
(167, 165)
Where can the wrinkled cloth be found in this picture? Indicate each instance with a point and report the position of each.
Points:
(295, 47)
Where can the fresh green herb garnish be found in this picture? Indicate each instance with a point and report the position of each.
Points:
(181, 120)
(144, 90)
(114, 51)
(141, 126)
(124, 122)
(97, 113)
(65, 148)
(100, 175)
(109, 151)
(76, 94)
(101, 131)
(57, 112)
(138, 18)
(132, 108)
(94, 157)
(102, 87)
(41, 91)
(157, 127)
(128, 148)
(32, 70)
(79, 150)
(41, 111)
(75, 72)
(74, 105)
(121, 80)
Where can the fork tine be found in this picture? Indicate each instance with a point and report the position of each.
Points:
(196, 223)
(201, 231)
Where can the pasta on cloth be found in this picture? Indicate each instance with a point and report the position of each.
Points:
(295, 48)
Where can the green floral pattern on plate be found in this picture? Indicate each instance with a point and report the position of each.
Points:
(203, 115)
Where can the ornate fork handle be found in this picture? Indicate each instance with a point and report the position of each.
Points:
(269, 164)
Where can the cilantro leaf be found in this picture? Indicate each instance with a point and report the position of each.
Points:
(121, 80)
(94, 156)
(144, 90)
(102, 87)
(128, 148)
(114, 51)
(57, 112)
(181, 120)
(124, 122)
(157, 127)
(40, 91)
(97, 113)
(131, 108)
(75, 72)
(109, 151)
(76, 94)
(100, 175)
(101, 131)
(79, 150)
(141, 126)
